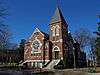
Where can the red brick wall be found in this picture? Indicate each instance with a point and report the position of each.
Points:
(38, 56)
(59, 43)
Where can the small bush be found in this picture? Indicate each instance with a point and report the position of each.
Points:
(92, 70)
(60, 65)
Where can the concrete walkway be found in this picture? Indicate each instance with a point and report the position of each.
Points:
(93, 73)
(57, 72)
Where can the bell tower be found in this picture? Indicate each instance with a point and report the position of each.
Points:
(58, 34)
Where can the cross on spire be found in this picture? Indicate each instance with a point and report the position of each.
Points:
(37, 26)
(58, 3)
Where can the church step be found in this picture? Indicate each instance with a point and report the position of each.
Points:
(52, 64)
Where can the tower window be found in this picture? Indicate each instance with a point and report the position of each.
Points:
(53, 38)
(57, 30)
(53, 31)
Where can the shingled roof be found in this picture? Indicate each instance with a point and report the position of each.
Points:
(57, 16)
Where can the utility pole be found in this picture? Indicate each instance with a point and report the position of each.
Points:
(74, 58)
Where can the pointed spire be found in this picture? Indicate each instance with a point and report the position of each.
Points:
(57, 16)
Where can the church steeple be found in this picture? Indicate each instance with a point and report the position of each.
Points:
(58, 34)
(57, 16)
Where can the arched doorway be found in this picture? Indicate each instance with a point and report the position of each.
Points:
(56, 52)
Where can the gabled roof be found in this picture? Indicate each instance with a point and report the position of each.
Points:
(36, 32)
(57, 16)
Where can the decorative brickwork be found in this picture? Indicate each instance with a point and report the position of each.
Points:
(42, 48)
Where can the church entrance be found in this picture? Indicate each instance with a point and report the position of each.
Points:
(56, 54)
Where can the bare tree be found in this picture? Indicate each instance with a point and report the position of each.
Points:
(4, 29)
(82, 35)
(4, 36)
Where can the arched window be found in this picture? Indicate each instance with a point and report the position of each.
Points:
(56, 48)
(57, 30)
(36, 46)
(53, 31)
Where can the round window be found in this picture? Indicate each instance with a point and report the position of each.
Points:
(36, 45)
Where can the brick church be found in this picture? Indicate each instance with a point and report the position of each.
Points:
(47, 50)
